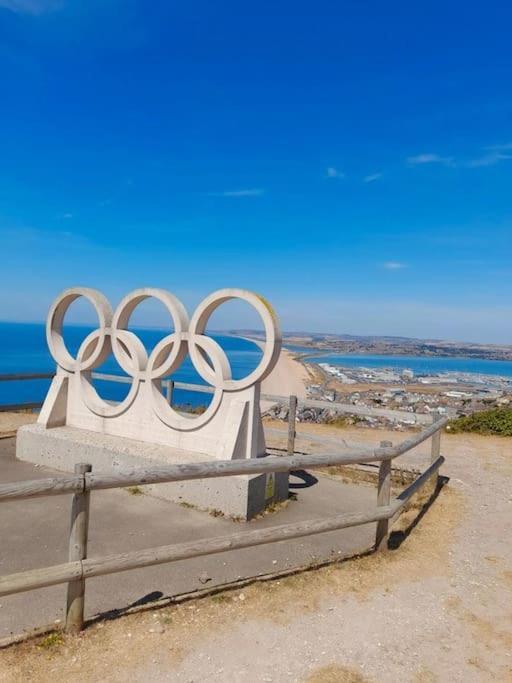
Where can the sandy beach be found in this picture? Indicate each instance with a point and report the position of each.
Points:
(288, 377)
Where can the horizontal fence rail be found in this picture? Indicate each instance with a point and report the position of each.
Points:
(20, 376)
(169, 385)
(350, 409)
(141, 476)
(110, 564)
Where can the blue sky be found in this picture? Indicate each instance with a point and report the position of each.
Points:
(352, 161)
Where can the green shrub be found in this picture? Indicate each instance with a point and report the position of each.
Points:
(497, 421)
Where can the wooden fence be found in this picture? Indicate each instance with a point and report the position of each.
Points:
(170, 385)
(80, 567)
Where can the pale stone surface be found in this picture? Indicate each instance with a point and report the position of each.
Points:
(230, 427)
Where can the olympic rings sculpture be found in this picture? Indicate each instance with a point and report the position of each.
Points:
(113, 336)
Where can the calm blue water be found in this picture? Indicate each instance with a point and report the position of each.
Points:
(23, 349)
(420, 365)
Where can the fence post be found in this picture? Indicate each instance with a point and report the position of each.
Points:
(436, 440)
(435, 450)
(383, 499)
(169, 389)
(78, 551)
(292, 414)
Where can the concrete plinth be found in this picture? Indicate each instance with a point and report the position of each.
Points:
(241, 496)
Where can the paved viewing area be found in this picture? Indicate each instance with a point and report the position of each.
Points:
(35, 534)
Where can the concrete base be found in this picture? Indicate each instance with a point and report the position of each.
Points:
(60, 448)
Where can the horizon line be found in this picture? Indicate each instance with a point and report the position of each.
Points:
(285, 332)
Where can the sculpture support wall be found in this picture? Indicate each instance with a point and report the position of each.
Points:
(229, 428)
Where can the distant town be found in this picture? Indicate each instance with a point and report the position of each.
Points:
(383, 345)
(402, 392)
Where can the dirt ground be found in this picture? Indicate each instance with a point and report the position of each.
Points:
(436, 608)
(9, 422)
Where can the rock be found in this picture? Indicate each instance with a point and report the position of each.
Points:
(158, 628)
(283, 413)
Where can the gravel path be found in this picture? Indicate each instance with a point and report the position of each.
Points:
(438, 608)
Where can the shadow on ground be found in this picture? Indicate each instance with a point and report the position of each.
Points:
(397, 537)
(156, 599)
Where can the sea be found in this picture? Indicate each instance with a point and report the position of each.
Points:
(23, 349)
(420, 365)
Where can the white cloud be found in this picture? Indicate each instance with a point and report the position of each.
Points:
(429, 159)
(33, 7)
(500, 148)
(394, 265)
(493, 155)
(372, 177)
(251, 192)
(67, 215)
(489, 159)
(332, 172)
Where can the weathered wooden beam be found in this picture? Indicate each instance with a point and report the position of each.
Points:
(225, 468)
(72, 571)
(40, 578)
(208, 470)
(246, 539)
(436, 439)
(383, 500)
(292, 415)
(120, 379)
(221, 468)
(110, 564)
(169, 390)
(205, 389)
(350, 409)
(417, 484)
(78, 535)
(52, 486)
(414, 441)
(20, 376)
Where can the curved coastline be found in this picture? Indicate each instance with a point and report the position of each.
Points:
(289, 376)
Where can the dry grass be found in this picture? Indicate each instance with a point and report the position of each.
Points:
(336, 674)
(134, 490)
